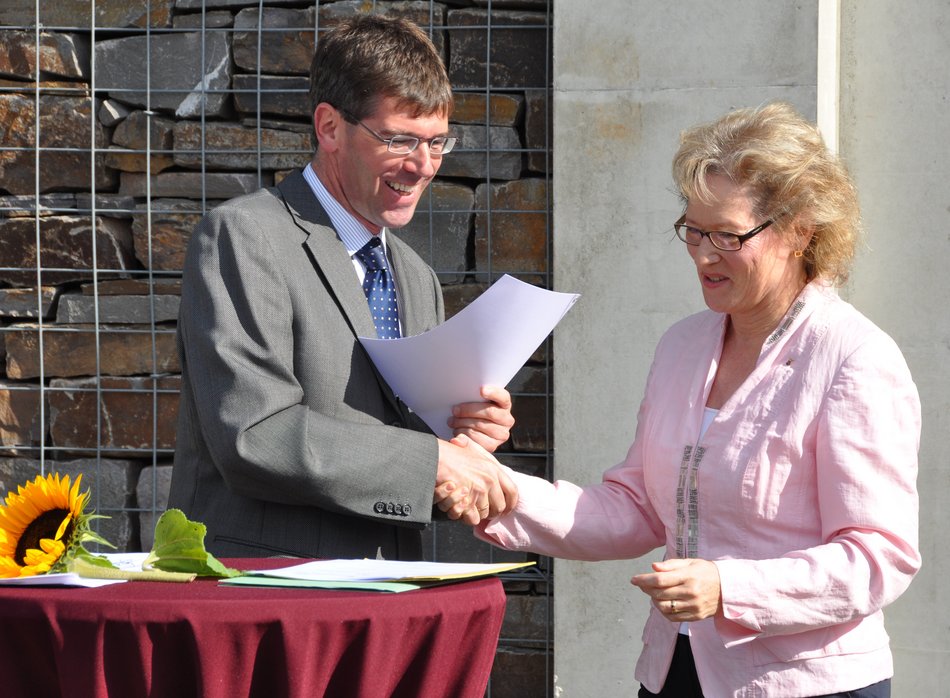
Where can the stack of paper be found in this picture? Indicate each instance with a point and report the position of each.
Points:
(485, 343)
(373, 575)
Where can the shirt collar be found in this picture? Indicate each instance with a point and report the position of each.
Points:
(351, 232)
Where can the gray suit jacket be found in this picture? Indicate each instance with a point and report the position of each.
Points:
(289, 442)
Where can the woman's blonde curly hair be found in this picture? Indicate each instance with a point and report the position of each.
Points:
(793, 177)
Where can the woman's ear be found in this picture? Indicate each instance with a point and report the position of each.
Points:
(800, 232)
(805, 235)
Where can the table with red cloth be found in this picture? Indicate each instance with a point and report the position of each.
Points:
(209, 640)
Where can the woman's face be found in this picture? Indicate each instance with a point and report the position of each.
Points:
(756, 284)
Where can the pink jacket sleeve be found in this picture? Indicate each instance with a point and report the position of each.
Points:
(610, 521)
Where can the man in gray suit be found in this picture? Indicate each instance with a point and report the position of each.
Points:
(289, 441)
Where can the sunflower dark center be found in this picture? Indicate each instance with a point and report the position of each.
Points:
(43, 526)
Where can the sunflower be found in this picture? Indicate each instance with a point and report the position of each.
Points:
(39, 523)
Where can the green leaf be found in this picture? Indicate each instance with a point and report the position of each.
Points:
(87, 535)
(85, 557)
(180, 547)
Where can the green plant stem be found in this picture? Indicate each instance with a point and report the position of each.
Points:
(84, 569)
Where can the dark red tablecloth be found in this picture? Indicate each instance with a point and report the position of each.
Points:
(201, 639)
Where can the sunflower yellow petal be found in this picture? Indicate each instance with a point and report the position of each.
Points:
(8, 568)
(53, 548)
(62, 527)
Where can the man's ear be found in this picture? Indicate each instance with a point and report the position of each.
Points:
(328, 127)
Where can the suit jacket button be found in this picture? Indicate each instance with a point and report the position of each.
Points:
(397, 510)
(379, 507)
(406, 510)
(389, 508)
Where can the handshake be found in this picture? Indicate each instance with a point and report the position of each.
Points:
(471, 485)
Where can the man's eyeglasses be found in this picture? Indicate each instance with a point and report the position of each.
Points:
(729, 242)
(403, 145)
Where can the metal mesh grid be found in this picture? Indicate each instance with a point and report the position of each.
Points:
(73, 361)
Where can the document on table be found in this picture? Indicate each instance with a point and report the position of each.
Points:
(372, 575)
(366, 570)
(124, 561)
(485, 343)
(58, 579)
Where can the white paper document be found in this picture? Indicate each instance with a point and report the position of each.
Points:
(124, 561)
(485, 343)
(386, 570)
(58, 579)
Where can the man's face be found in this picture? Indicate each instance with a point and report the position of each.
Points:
(382, 188)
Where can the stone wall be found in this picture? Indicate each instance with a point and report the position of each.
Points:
(115, 142)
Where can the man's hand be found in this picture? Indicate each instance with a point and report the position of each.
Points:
(470, 484)
(486, 423)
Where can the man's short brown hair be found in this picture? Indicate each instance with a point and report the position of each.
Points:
(370, 57)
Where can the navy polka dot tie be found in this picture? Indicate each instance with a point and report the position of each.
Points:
(379, 289)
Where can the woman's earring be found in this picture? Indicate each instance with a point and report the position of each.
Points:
(798, 253)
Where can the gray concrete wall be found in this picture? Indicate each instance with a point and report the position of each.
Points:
(895, 135)
(628, 78)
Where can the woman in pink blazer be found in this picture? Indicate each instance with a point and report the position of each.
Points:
(775, 456)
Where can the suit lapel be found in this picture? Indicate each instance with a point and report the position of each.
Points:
(335, 268)
(333, 263)
(408, 286)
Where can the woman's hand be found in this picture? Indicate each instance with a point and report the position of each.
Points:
(456, 502)
(682, 589)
